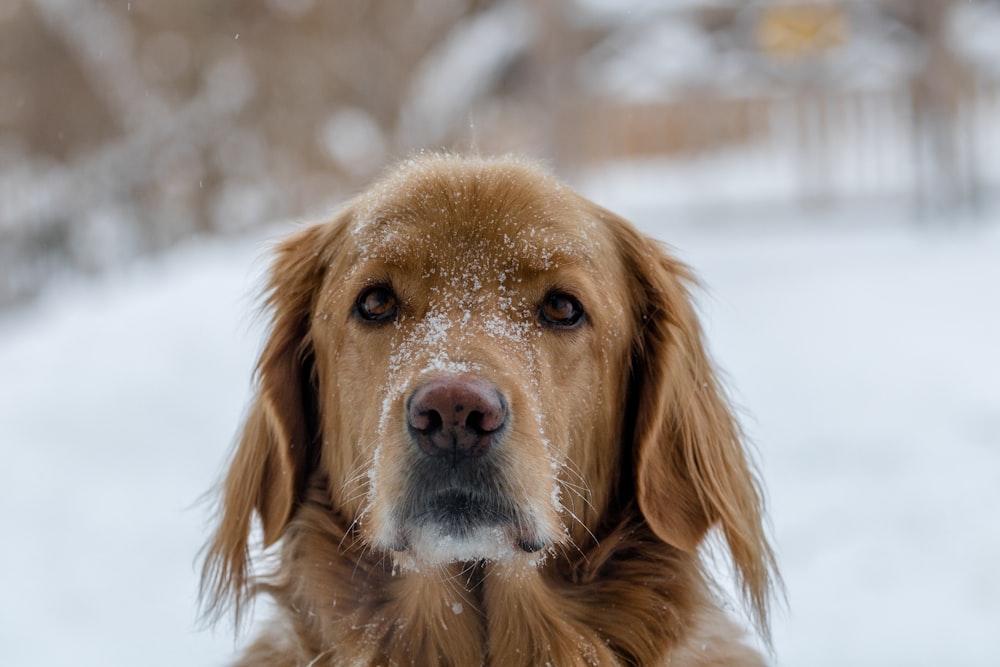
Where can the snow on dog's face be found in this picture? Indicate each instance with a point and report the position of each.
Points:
(470, 339)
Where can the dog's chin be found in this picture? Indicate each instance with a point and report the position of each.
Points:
(435, 543)
(459, 524)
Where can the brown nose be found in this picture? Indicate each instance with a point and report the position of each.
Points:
(456, 415)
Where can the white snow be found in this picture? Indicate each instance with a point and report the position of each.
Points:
(867, 364)
(118, 401)
(862, 351)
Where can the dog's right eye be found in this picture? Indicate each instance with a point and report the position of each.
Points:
(376, 304)
(561, 311)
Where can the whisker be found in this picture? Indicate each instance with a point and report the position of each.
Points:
(573, 491)
(360, 471)
(571, 467)
(358, 478)
(320, 656)
(353, 525)
(580, 492)
(584, 526)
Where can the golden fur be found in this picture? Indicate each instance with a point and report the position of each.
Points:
(619, 454)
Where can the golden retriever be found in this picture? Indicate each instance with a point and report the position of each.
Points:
(486, 432)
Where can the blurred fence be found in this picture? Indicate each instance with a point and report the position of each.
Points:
(125, 126)
(830, 102)
(816, 149)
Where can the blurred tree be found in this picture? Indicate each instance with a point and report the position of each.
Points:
(137, 123)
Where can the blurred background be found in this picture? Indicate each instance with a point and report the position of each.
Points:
(830, 168)
(128, 126)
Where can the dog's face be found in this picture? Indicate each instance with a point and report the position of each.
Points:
(471, 341)
(473, 362)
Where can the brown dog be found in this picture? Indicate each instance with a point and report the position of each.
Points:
(486, 432)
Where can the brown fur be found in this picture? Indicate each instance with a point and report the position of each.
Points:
(621, 419)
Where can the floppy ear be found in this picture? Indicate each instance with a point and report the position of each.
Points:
(691, 469)
(275, 454)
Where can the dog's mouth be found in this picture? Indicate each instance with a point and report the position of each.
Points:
(459, 524)
(460, 511)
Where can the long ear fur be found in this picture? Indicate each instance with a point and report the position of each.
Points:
(276, 452)
(691, 469)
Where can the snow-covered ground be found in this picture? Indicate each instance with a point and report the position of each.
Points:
(865, 356)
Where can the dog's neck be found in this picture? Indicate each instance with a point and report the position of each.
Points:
(611, 604)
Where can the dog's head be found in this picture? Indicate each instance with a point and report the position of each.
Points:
(478, 363)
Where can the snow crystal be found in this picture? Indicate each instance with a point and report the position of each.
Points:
(556, 497)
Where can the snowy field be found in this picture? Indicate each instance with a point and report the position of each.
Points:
(864, 353)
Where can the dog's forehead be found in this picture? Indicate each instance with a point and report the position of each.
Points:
(487, 216)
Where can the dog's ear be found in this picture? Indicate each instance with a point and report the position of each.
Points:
(276, 449)
(691, 469)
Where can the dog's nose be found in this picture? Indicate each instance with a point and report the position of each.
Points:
(456, 415)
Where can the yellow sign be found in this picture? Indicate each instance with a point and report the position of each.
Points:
(795, 31)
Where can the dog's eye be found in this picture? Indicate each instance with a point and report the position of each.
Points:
(561, 310)
(376, 304)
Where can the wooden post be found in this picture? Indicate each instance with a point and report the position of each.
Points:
(945, 168)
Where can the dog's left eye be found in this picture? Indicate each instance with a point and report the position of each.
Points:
(376, 304)
(561, 310)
